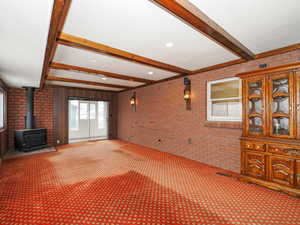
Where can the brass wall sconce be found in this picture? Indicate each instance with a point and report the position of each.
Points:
(133, 102)
(187, 93)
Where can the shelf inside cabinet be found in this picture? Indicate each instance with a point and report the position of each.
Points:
(280, 94)
(255, 129)
(280, 114)
(254, 115)
(281, 132)
(254, 96)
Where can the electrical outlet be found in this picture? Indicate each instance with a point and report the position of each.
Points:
(57, 141)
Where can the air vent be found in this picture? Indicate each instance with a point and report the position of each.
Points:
(223, 174)
(263, 65)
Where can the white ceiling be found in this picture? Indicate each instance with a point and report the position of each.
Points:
(83, 58)
(140, 27)
(143, 28)
(24, 29)
(92, 77)
(67, 84)
(261, 25)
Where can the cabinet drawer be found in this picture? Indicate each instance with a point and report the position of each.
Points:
(254, 146)
(284, 150)
(249, 145)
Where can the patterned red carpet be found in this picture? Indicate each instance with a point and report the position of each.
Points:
(113, 182)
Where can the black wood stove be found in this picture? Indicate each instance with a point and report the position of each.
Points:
(30, 138)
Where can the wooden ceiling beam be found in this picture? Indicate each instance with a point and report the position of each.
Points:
(258, 56)
(157, 82)
(193, 16)
(80, 88)
(62, 79)
(61, 66)
(218, 66)
(227, 64)
(278, 51)
(78, 42)
(59, 13)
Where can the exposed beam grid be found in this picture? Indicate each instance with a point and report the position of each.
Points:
(58, 17)
(78, 42)
(193, 16)
(62, 79)
(61, 66)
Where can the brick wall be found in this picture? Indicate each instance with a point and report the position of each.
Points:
(161, 115)
(43, 112)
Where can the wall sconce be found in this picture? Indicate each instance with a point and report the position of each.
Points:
(133, 102)
(187, 93)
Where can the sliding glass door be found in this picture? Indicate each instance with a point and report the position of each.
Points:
(88, 120)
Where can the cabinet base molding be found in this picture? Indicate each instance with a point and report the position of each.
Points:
(277, 187)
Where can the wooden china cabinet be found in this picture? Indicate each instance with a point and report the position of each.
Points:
(270, 144)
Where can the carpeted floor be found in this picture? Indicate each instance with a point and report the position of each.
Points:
(16, 154)
(113, 182)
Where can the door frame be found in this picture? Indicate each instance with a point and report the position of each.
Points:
(86, 99)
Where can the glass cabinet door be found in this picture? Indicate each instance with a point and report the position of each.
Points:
(254, 100)
(281, 102)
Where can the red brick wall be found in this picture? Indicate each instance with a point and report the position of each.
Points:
(43, 111)
(161, 115)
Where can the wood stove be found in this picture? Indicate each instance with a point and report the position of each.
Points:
(30, 138)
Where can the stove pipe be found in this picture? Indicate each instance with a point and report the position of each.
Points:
(29, 123)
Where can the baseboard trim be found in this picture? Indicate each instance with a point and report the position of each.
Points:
(270, 185)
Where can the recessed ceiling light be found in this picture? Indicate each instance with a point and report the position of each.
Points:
(150, 72)
(104, 78)
(169, 44)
